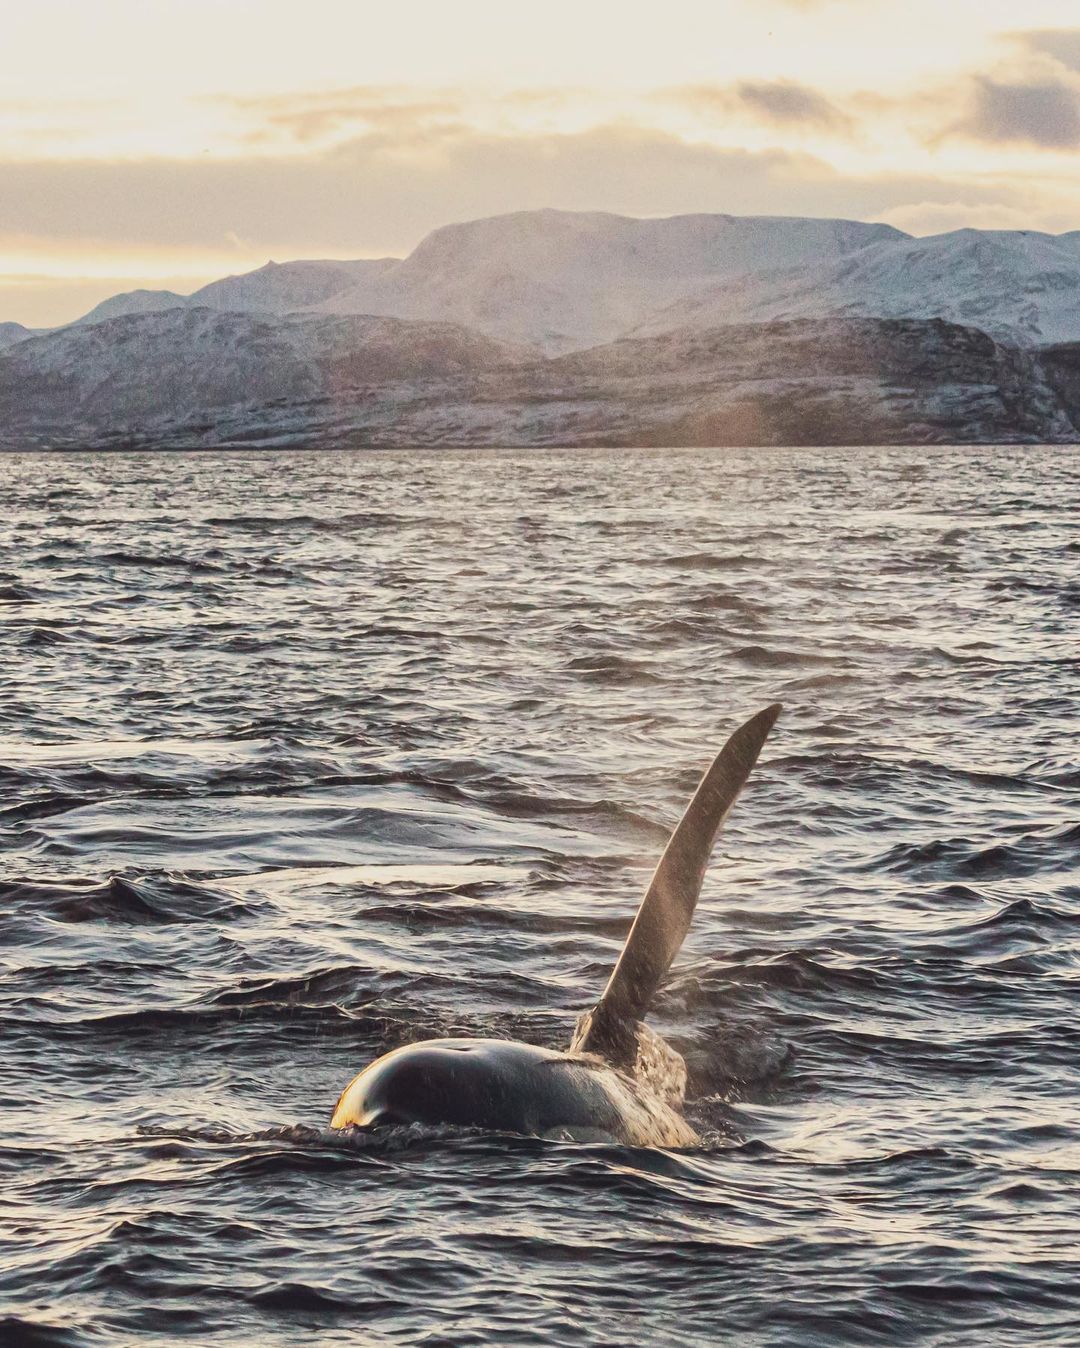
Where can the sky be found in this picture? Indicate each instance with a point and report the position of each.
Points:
(162, 143)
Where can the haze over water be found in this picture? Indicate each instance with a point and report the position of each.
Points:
(304, 756)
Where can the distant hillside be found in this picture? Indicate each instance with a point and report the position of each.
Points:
(555, 279)
(132, 302)
(563, 279)
(282, 288)
(194, 362)
(198, 378)
(586, 327)
(277, 288)
(1018, 285)
(10, 333)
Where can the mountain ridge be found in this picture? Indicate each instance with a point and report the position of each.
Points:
(582, 325)
(198, 378)
(567, 280)
(157, 365)
(11, 333)
(564, 279)
(1021, 285)
(558, 279)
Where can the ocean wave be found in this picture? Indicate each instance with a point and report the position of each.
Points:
(163, 899)
(307, 756)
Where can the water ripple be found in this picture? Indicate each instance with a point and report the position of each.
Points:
(306, 756)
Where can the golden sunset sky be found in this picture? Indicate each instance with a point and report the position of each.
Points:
(162, 143)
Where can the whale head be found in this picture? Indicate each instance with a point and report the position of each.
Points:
(464, 1083)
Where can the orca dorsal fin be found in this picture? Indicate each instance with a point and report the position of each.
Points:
(668, 906)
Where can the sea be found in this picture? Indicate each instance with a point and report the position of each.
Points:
(307, 755)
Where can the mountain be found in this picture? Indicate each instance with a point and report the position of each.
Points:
(150, 369)
(831, 381)
(548, 327)
(565, 279)
(133, 302)
(200, 379)
(277, 288)
(1019, 285)
(281, 288)
(10, 333)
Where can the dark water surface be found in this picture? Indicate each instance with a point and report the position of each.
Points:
(303, 757)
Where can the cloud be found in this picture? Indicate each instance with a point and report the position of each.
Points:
(379, 192)
(371, 195)
(785, 103)
(1060, 44)
(1033, 101)
(375, 193)
(776, 103)
(1041, 110)
(334, 114)
(941, 217)
(811, 5)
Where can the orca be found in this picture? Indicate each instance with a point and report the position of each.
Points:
(618, 1080)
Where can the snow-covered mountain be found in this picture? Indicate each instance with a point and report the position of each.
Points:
(277, 288)
(551, 325)
(200, 379)
(196, 361)
(1019, 285)
(132, 302)
(559, 280)
(566, 279)
(10, 333)
(284, 287)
